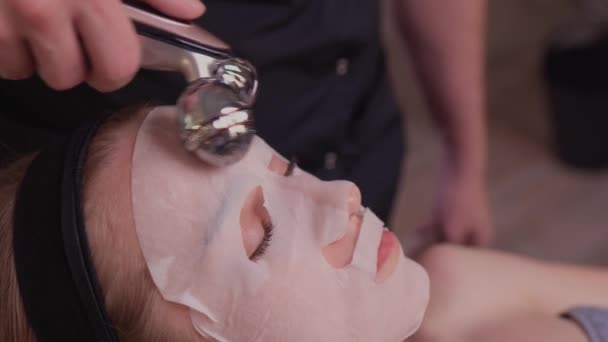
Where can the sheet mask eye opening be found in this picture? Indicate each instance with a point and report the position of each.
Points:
(256, 224)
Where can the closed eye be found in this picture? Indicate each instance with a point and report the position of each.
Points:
(267, 223)
(261, 249)
(256, 225)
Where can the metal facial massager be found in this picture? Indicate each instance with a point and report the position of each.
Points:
(215, 116)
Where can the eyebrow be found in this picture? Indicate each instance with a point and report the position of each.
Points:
(290, 167)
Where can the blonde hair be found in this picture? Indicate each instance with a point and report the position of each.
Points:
(132, 301)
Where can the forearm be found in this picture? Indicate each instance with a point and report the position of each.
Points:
(446, 39)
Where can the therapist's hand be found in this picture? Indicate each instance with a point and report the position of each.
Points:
(68, 42)
(462, 212)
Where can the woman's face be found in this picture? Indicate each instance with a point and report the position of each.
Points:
(263, 251)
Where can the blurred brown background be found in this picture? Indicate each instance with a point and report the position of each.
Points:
(541, 208)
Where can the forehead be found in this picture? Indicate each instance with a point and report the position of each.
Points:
(161, 152)
(259, 156)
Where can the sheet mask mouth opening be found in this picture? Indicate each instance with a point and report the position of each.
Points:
(387, 256)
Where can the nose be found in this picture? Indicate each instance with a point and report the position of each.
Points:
(354, 200)
(338, 194)
(340, 253)
(341, 195)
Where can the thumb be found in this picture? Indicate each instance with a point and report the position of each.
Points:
(484, 236)
(420, 239)
(453, 232)
(181, 9)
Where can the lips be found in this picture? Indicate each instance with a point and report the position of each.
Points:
(387, 256)
(342, 252)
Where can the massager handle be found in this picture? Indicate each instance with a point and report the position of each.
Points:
(215, 119)
(173, 45)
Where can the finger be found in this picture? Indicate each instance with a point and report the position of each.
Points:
(111, 45)
(15, 58)
(29, 15)
(454, 233)
(471, 239)
(420, 239)
(57, 52)
(484, 236)
(183, 9)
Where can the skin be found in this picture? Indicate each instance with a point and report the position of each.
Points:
(116, 175)
(68, 42)
(446, 40)
(481, 295)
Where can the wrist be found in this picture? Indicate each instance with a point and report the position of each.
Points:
(466, 165)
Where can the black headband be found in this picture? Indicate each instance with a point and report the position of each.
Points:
(57, 280)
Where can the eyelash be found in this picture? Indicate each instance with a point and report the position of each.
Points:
(268, 225)
(261, 250)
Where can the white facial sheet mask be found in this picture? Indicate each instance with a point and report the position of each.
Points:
(187, 217)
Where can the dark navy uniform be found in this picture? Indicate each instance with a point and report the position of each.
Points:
(324, 95)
